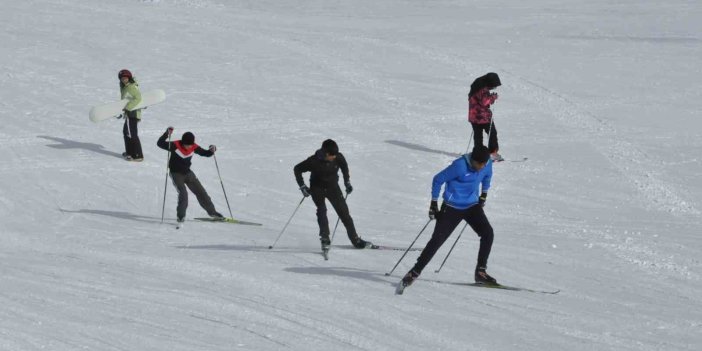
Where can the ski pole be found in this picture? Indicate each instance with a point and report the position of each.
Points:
(337, 223)
(406, 251)
(286, 224)
(451, 250)
(224, 191)
(165, 185)
(470, 141)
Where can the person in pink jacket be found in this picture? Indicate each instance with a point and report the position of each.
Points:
(480, 98)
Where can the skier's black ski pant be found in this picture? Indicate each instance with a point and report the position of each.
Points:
(336, 198)
(132, 144)
(446, 221)
(478, 129)
(180, 181)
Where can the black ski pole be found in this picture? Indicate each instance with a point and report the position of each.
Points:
(165, 185)
(286, 224)
(337, 223)
(225, 192)
(451, 250)
(406, 251)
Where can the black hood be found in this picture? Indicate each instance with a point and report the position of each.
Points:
(490, 80)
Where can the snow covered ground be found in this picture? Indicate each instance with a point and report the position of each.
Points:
(604, 100)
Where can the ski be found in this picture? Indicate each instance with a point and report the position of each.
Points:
(499, 286)
(225, 220)
(379, 247)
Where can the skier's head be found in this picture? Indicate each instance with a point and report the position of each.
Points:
(479, 156)
(188, 138)
(492, 80)
(124, 77)
(330, 148)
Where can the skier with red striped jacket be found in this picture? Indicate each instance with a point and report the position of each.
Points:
(480, 98)
(179, 164)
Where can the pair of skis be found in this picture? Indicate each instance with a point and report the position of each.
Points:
(401, 287)
(325, 251)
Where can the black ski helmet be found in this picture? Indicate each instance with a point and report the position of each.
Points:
(329, 146)
(188, 138)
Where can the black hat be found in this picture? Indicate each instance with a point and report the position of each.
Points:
(480, 154)
(329, 146)
(188, 138)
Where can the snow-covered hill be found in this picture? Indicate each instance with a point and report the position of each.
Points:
(604, 100)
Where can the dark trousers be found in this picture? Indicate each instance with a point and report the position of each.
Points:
(447, 220)
(180, 181)
(132, 145)
(478, 130)
(336, 198)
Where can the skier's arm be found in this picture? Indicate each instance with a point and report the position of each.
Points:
(136, 97)
(487, 179)
(440, 178)
(300, 168)
(202, 152)
(162, 143)
(344, 168)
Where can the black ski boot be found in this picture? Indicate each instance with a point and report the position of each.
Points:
(326, 243)
(406, 281)
(362, 244)
(217, 216)
(481, 276)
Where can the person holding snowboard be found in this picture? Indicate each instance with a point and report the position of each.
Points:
(129, 90)
(467, 181)
(179, 164)
(480, 115)
(324, 185)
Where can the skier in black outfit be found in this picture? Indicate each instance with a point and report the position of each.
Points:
(179, 165)
(467, 182)
(324, 184)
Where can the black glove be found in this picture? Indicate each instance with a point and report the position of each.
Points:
(433, 209)
(305, 191)
(120, 116)
(349, 188)
(482, 199)
(169, 131)
(213, 148)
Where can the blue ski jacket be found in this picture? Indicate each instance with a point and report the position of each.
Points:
(463, 183)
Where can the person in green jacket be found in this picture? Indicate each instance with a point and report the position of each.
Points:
(130, 91)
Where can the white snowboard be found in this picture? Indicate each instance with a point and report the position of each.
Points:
(114, 109)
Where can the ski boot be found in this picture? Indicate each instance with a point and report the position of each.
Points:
(495, 157)
(216, 216)
(406, 281)
(481, 277)
(326, 243)
(362, 244)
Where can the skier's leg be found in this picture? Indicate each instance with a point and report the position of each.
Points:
(127, 135)
(493, 146)
(318, 198)
(200, 193)
(179, 183)
(446, 222)
(136, 143)
(477, 134)
(475, 216)
(337, 201)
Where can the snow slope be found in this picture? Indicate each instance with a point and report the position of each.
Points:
(602, 98)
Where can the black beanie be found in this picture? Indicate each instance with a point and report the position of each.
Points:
(188, 138)
(480, 154)
(329, 146)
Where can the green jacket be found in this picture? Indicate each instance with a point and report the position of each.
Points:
(131, 92)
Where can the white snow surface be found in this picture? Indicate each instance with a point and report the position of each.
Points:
(603, 98)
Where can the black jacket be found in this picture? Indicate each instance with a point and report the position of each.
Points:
(180, 155)
(323, 173)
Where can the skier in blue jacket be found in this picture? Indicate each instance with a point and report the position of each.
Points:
(467, 182)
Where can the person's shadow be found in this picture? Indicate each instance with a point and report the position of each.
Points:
(423, 148)
(116, 214)
(65, 144)
(342, 272)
